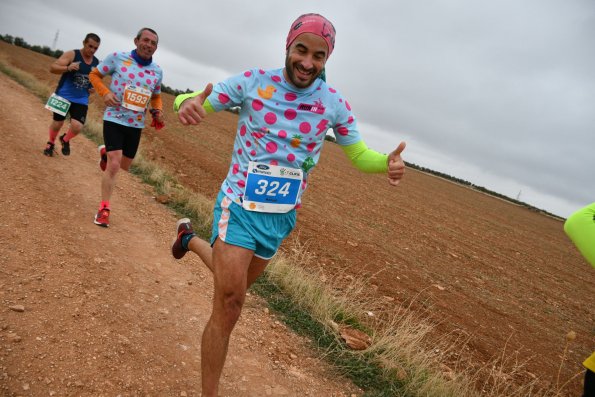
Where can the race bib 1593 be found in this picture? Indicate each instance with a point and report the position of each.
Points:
(136, 98)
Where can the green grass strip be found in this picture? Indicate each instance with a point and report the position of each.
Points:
(361, 369)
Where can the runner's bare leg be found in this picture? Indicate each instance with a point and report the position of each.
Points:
(204, 250)
(231, 266)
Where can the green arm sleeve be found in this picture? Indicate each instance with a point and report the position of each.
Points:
(365, 159)
(182, 97)
(580, 227)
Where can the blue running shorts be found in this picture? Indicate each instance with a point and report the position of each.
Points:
(261, 232)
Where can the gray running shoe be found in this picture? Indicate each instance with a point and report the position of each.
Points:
(65, 146)
(49, 149)
(183, 228)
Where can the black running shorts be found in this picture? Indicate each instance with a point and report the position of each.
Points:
(121, 137)
(77, 112)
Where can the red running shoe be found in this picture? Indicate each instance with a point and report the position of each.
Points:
(102, 217)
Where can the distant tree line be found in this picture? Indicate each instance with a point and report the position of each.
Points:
(19, 41)
(478, 188)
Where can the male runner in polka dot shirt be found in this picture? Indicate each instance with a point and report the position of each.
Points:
(284, 116)
(135, 84)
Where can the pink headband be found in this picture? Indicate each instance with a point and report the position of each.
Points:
(316, 24)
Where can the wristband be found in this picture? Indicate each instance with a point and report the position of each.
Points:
(182, 97)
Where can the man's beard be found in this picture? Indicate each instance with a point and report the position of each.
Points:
(289, 68)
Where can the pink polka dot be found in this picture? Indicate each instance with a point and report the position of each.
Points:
(116, 82)
(138, 83)
(347, 106)
(305, 127)
(248, 73)
(332, 90)
(270, 118)
(241, 183)
(243, 130)
(248, 143)
(291, 157)
(290, 96)
(141, 74)
(253, 152)
(105, 68)
(148, 81)
(239, 87)
(109, 113)
(276, 79)
(223, 98)
(235, 169)
(271, 147)
(350, 119)
(229, 190)
(131, 75)
(290, 114)
(261, 71)
(240, 151)
(274, 162)
(123, 69)
(257, 105)
(131, 120)
(282, 134)
(245, 173)
(342, 131)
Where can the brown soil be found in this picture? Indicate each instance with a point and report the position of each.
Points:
(108, 311)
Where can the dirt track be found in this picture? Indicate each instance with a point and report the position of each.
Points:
(504, 276)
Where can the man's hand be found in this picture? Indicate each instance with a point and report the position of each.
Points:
(158, 121)
(191, 110)
(396, 165)
(110, 99)
(73, 66)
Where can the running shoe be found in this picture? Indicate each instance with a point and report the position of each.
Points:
(65, 145)
(102, 218)
(183, 228)
(103, 157)
(49, 149)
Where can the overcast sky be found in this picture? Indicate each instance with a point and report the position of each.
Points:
(498, 93)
